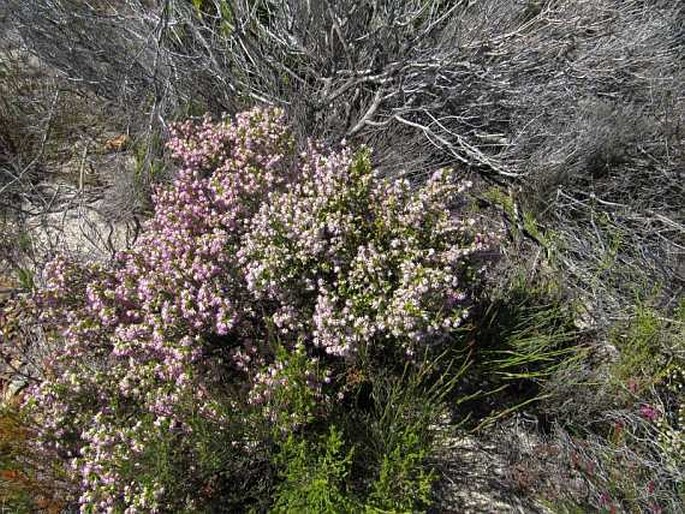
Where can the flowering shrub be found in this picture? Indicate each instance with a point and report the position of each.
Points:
(351, 259)
(261, 276)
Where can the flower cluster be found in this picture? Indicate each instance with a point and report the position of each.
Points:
(351, 260)
(291, 389)
(260, 272)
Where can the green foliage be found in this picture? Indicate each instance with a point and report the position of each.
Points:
(375, 456)
(526, 332)
(503, 201)
(221, 10)
(630, 446)
(400, 431)
(313, 475)
(522, 221)
(296, 400)
(642, 343)
(526, 350)
(404, 483)
(25, 278)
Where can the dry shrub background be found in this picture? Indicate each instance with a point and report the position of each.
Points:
(578, 106)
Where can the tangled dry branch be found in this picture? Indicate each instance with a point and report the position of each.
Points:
(580, 104)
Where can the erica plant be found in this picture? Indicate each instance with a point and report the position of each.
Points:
(263, 275)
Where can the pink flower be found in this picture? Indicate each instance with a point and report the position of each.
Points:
(649, 412)
(651, 487)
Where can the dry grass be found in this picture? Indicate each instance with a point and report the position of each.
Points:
(579, 105)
